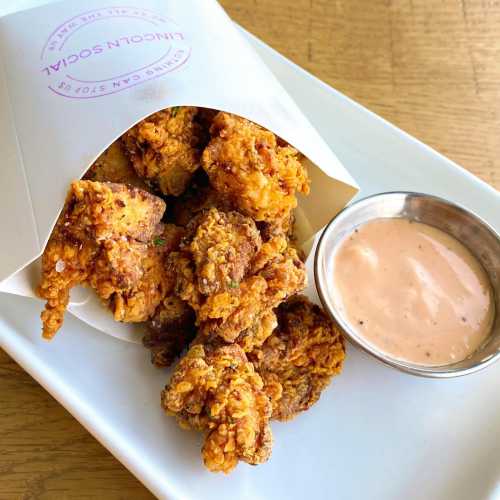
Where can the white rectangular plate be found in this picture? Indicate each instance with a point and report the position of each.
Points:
(376, 433)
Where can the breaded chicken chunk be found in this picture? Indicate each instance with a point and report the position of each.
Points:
(137, 301)
(245, 163)
(217, 391)
(222, 246)
(143, 281)
(104, 238)
(214, 255)
(165, 148)
(300, 358)
(105, 210)
(230, 313)
(249, 339)
(114, 166)
(230, 278)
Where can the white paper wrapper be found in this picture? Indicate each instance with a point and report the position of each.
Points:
(73, 78)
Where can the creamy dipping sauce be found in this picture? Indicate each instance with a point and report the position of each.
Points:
(412, 291)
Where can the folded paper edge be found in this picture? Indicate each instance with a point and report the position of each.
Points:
(344, 178)
(15, 191)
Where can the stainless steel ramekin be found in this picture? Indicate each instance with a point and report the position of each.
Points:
(481, 239)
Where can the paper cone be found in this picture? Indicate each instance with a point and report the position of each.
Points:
(75, 78)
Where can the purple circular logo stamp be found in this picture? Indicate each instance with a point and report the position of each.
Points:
(111, 49)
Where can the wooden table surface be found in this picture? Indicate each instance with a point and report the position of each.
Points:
(432, 67)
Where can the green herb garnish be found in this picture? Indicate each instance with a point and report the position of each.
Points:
(174, 110)
(234, 284)
(158, 242)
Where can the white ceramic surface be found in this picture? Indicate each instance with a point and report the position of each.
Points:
(375, 434)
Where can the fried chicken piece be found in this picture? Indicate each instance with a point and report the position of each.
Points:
(300, 358)
(227, 314)
(104, 210)
(102, 239)
(222, 246)
(214, 255)
(170, 331)
(165, 148)
(217, 391)
(230, 279)
(137, 299)
(114, 166)
(246, 163)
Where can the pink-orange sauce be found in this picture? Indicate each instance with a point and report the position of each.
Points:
(412, 291)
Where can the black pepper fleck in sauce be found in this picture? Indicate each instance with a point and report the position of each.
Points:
(422, 296)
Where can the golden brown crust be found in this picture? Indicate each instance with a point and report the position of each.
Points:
(216, 390)
(222, 246)
(229, 278)
(300, 358)
(104, 239)
(221, 280)
(138, 302)
(105, 210)
(229, 314)
(165, 148)
(245, 163)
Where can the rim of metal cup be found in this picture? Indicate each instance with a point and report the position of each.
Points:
(438, 371)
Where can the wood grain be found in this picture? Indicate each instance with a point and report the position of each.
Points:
(430, 66)
(46, 454)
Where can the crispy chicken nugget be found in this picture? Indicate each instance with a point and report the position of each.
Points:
(230, 278)
(165, 148)
(138, 302)
(227, 314)
(214, 256)
(217, 391)
(222, 246)
(102, 239)
(245, 163)
(300, 358)
(105, 210)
